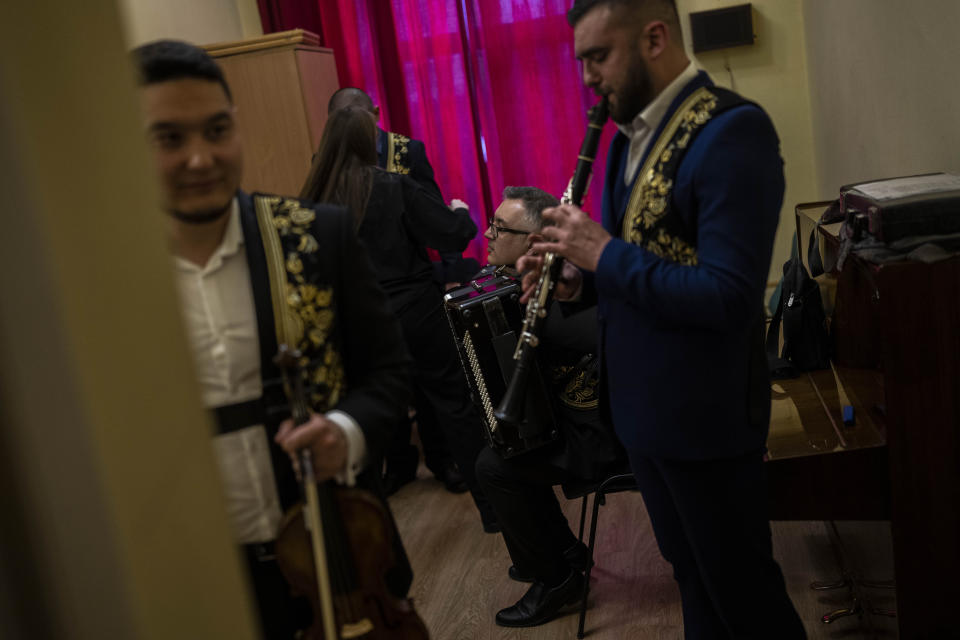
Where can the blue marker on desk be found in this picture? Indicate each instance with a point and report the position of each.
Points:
(848, 418)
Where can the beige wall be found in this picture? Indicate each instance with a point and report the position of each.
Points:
(773, 73)
(197, 21)
(108, 477)
(885, 98)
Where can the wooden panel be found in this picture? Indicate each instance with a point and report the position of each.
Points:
(855, 326)
(820, 468)
(108, 468)
(901, 319)
(920, 316)
(279, 39)
(318, 78)
(266, 88)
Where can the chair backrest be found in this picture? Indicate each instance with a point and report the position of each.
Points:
(619, 479)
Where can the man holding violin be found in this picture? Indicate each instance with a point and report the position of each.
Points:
(257, 272)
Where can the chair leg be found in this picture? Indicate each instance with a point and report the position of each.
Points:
(583, 516)
(597, 501)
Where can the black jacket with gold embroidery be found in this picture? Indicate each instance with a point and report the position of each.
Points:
(338, 317)
(399, 154)
(401, 221)
(568, 358)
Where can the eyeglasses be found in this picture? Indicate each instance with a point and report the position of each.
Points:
(498, 230)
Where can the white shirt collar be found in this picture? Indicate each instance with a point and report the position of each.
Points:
(229, 245)
(649, 119)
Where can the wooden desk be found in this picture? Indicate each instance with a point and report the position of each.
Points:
(819, 468)
(897, 349)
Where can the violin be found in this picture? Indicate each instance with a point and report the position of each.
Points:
(336, 548)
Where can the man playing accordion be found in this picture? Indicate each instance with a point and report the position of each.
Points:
(543, 548)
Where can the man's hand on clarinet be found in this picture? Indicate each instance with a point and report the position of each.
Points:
(572, 235)
(326, 440)
(530, 265)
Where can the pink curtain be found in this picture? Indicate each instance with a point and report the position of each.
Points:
(490, 86)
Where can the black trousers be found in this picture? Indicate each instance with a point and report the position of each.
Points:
(441, 391)
(534, 528)
(436, 452)
(710, 521)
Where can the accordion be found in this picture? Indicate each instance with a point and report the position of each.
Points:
(484, 317)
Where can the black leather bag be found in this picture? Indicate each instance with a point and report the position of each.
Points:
(806, 344)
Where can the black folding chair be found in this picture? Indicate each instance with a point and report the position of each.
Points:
(621, 481)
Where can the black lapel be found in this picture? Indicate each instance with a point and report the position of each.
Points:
(382, 148)
(614, 172)
(260, 282)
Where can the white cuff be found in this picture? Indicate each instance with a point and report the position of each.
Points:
(356, 447)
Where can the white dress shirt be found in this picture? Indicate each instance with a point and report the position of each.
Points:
(640, 131)
(221, 322)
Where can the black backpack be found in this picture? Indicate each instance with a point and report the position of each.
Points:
(806, 345)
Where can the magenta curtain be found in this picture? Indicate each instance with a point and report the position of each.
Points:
(490, 86)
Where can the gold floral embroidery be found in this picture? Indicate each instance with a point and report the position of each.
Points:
(672, 248)
(647, 217)
(580, 392)
(294, 264)
(308, 244)
(293, 296)
(399, 149)
(324, 297)
(309, 306)
(302, 216)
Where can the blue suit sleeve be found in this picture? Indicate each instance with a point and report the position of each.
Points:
(732, 179)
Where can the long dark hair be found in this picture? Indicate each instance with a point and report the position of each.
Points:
(342, 170)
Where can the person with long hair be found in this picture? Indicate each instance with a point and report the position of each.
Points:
(397, 219)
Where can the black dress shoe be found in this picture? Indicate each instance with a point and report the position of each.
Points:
(541, 604)
(576, 556)
(449, 474)
(393, 481)
(490, 525)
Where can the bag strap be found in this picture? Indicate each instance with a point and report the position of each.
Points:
(773, 331)
(779, 367)
(813, 253)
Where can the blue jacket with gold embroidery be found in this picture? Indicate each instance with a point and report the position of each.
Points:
(681, 284)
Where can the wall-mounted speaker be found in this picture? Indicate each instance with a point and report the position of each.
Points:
(721, 28)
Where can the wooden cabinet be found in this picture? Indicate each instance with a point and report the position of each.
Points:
(281, 84)
(897, 362)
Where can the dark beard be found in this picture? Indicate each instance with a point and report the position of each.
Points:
(201, 217)
(637, 94)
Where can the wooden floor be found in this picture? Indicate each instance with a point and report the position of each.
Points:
(461, 573)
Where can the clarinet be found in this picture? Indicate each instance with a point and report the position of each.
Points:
(511, 406)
